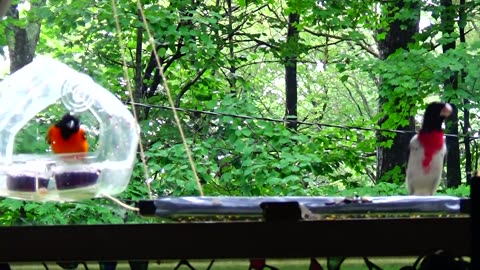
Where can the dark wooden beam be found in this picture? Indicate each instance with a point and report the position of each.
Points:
(218, 240)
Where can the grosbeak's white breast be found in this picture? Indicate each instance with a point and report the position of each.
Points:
(425, 162)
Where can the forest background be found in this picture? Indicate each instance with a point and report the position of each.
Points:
(275, 97)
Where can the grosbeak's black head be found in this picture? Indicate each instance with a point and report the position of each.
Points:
(435, 114)
(68, 125)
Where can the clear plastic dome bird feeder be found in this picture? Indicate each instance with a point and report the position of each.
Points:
(44, 176)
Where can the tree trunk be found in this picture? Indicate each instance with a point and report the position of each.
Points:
(466, 132)
(398, 35)
(4, 7)
(466, 112)
(22, 42)
(453, 154)
(231, 47)
(291, 71)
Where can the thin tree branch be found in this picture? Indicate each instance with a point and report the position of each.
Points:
(343, 38)
(187, 86)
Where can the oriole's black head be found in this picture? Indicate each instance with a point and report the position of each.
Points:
(435, 114)
(68, 125)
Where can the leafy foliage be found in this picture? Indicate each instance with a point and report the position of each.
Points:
(223, 63)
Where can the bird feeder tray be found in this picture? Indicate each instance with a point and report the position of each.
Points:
(71, 176)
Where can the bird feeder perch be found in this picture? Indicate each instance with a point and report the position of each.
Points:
(62, 177)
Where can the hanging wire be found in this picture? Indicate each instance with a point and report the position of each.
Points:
(170, 98)
(122, 204)
(276, 120)
(130, 91)
(165, 85)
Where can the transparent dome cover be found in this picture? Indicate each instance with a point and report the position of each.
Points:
(64, 177)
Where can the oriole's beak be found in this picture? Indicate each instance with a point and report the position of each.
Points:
(70, 124)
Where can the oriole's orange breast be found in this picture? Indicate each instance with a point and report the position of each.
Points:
(74, 144)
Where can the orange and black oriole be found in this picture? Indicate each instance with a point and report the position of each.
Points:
(66, 136)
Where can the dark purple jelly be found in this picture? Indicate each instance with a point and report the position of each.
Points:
(25, 183)
(76, 179)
